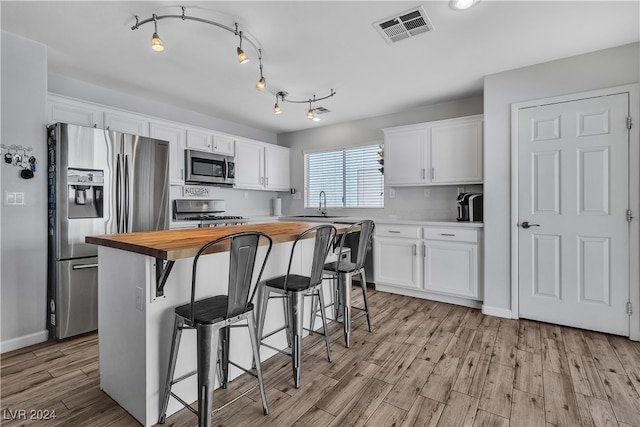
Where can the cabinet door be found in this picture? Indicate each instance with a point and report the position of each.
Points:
(396, 262)
(197, 140)
(404, 157)
(276, 164)
(224, 144)
(176, 136)
(451, 268)
(249, 165)
(63, 110)
(456, 151)
(128, 123)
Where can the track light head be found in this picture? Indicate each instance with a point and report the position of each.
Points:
(261, 83)
(156, 43)
(242, 57)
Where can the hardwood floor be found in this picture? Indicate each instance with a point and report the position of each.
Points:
(425, 363)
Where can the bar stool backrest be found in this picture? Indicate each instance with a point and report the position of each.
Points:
(243, 248)
(365, 228)
(325, 235)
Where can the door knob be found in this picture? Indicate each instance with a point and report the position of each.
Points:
(526, 225)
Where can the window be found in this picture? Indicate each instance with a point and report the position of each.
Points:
(350, 178)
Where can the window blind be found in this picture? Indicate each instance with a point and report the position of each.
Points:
(350, 178)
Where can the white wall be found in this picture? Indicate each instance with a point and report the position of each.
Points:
(601, 69)
(24, 228)
(409, 203)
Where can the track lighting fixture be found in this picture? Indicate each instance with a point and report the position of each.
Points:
(310, 114)
(242, 57)
(158, 46)
(156, 43)
(276, 108)
(262, 82)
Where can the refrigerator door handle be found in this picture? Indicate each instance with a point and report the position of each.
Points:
(83, 266)
(118, 196)
(126, 193)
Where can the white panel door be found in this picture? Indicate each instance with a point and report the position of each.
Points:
(572, 200)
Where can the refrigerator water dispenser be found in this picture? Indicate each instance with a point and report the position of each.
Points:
(85, 190)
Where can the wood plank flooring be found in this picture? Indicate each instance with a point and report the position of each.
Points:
(425, 364)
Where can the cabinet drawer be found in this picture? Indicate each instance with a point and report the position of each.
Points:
(390, 230)
(451, 234)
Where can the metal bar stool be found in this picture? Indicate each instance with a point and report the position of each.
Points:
(341, 273)
(212, 317)
(293, 288)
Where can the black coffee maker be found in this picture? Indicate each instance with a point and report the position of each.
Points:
(469, 207)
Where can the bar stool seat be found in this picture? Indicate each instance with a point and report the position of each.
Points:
(212, 317)
(293, 288)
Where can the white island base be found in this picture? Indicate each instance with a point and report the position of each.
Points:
(135, 326)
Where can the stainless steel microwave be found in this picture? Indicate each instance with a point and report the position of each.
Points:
(208, 168)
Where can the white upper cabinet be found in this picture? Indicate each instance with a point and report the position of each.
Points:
(176, 135)
(204, 140)
(405, 156)
(249, 165)
(65, 110)
(456, 151)
(276, 166)
(130, 123)
(434, 153)
(261, 166)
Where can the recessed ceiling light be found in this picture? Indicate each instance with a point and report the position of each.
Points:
(462, 4)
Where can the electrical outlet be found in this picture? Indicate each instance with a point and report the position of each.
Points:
(12, 198)
(460, 190)
(246, 195)
(392, 193)
(427, 193)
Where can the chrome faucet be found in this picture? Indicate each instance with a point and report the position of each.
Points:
(322, 195)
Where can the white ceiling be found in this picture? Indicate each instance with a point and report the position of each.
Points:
(309, 48)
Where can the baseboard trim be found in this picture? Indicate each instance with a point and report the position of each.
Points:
(23, 341)
(497, 311)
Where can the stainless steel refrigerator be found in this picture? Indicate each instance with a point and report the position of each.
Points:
(100, 182)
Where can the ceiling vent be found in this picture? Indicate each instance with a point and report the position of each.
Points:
(320, 110)
(404, 25)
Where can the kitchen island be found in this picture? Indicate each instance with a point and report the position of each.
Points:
(135, 313)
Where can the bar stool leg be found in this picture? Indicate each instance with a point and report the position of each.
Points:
(223, 360)
(345, 296)
(262, 297)
(255, 347)
(314, 309)
(363, 284)
(207, 346)
(296, 307)
(324, 322)
(173, 356)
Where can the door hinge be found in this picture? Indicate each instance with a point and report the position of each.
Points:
(629, 122)
(629, 308)
(629, 215)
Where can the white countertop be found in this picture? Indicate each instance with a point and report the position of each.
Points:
(418, 222)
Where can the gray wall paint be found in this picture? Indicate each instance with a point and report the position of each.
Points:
(409, 203)
(601, 69)
(24, 228)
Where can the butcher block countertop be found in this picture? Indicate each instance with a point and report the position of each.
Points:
(184, 243)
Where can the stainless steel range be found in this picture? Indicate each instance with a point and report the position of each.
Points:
(207, 212)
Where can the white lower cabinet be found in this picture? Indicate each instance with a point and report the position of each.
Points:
(440, 263)
(396, 262)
